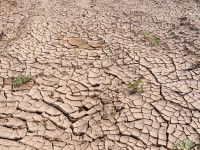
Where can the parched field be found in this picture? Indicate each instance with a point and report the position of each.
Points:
(105, 74)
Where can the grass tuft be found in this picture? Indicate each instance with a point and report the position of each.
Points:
(152, 39)
(136, 86)
(21, 80)
(186, 145)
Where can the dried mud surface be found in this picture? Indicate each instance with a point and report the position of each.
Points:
(81, 55)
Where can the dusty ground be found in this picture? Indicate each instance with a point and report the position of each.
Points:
(79, 97)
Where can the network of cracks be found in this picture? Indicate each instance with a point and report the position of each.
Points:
(81, 56)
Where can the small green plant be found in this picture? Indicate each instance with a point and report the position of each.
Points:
(186, 145)
(136, 86)
(151, 38)
(21, 80)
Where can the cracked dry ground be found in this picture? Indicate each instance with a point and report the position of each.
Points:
(81, 55)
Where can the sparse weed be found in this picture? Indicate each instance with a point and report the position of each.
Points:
(136, 86)
(153, 40)
(21, 80)
(186, 145)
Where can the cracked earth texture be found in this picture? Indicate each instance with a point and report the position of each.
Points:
(82, 54)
